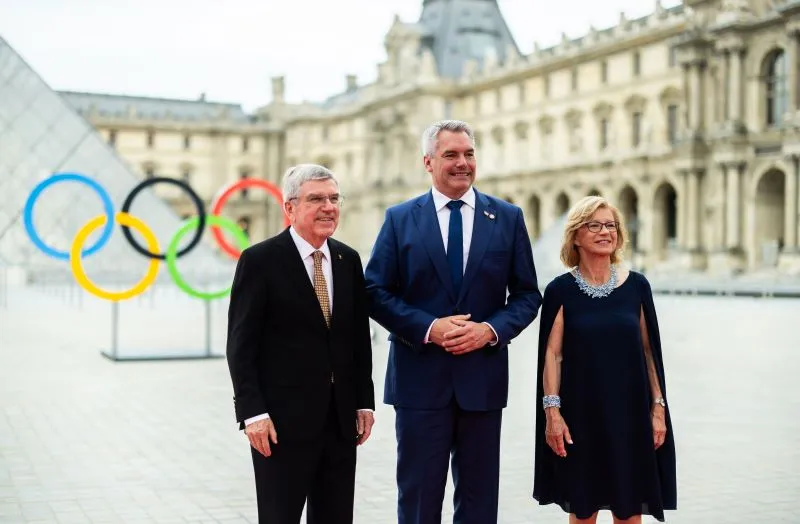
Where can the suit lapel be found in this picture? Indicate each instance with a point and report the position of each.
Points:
(431, 235)
(340, 284)
(482, 229)
(295, 271)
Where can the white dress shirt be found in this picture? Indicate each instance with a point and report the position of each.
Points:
(440, 202)
(306, 251)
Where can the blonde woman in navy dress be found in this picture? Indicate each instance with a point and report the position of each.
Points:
(604, 436)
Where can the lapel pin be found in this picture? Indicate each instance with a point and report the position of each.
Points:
(490, 215)
(340, 256)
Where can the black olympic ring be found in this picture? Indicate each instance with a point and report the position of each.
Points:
(201, 215)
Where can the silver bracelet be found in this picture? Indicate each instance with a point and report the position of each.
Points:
(551, 401)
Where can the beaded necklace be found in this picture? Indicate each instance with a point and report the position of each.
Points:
(601, 291)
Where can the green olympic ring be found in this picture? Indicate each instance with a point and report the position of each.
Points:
(172, 252)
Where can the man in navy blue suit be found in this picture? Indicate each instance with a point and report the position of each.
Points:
(451, 277)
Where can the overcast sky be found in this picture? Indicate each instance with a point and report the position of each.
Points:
(229, 49)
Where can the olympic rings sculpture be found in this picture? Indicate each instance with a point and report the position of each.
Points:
(151, 251)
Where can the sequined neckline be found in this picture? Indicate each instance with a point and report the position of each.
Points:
(601, 291)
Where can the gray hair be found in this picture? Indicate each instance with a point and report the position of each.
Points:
(298, 175)
(430, 137)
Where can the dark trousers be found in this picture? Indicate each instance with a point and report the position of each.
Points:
(426, 441)
(321, 471)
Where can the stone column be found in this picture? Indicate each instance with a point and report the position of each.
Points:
(693, 210)
(683, 208)
(696, 116)
(402, 156)
(274, 173)
(687, 98)
(722, 201)
(733, 220)
(790, 215)
(725, 73)
(792, 56)
(735, 84)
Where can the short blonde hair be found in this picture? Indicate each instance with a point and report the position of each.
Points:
(579, 215)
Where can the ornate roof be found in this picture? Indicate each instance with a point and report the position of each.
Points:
(109, 105)
(461, 30)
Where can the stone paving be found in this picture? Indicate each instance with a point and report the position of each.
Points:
(87, 440)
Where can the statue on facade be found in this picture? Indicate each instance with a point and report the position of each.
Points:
(734, 11)
(696, 21)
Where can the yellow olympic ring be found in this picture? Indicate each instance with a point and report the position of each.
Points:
(123, 219)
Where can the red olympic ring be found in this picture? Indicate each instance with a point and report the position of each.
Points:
(220, 200)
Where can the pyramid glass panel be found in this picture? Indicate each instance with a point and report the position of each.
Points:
(40, 135)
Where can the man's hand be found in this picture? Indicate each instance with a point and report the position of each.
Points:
(442, 326)
(364, 422)
(467, 336)
(260, 434)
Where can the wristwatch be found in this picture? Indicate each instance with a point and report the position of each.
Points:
(661, 402)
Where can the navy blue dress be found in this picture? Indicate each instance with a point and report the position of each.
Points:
(606, 404)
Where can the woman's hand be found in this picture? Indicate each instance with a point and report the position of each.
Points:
(659, 426)
(556, 432)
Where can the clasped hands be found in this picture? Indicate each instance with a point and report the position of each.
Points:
(459, 335)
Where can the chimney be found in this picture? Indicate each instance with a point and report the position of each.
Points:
(352, 83)
(278, 87)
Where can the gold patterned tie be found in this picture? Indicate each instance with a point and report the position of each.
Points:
(321, 288)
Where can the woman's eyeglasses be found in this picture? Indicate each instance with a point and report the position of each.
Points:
(596, 227)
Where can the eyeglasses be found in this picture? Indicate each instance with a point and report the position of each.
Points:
(320, 200)
(596, 227)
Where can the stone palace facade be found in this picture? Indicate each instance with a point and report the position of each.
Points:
(688, 119)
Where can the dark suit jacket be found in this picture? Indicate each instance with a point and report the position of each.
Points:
(281, 355)
(410, 286)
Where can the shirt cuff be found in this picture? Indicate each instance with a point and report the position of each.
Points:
(496, 338)
(428, 333)
(369, 410)
(250, 420)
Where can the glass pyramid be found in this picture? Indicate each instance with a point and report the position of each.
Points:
(41, 134)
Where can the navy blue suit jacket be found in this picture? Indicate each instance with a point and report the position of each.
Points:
(409, 286)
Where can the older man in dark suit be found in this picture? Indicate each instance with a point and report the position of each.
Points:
(300, 358)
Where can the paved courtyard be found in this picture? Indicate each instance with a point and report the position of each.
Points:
(87, 440)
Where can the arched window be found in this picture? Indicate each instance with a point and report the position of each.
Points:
(775, 83)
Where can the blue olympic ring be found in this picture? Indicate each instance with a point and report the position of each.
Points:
(108, 205)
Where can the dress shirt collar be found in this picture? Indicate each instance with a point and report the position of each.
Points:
(306, 249)
(440, 200)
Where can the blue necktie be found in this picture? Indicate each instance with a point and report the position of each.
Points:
(455, 244)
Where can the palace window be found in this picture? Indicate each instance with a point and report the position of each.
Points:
(776, 91)
(244, 174)
(636, 131)
(672, 124)
(603, 134)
